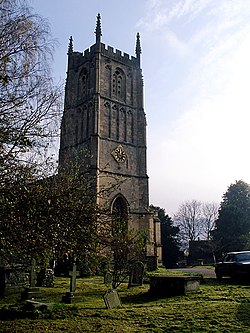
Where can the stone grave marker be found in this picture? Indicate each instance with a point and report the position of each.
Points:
(49, 278)
(112, 299)
(167, 286)
(15, 277)
(12, 277)
(32, 292)
(70, 297)
(73, 275)
(33, 273)
(108, 278)
(45, 278)
(136, 274)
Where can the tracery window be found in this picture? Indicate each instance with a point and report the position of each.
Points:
(118, 83)
(83, 84)
(120, 215)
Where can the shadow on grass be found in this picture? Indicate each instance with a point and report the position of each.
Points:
(144, 297)
(243, 313)
(234, 281)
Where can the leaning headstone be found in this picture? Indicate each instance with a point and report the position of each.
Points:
(71, 297)
(32, 304)
(112, 299)
(136, 274)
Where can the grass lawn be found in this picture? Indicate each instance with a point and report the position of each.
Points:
(217, 307)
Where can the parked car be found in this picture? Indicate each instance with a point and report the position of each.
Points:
(234, 265)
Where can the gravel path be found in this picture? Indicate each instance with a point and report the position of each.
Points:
(206, 272)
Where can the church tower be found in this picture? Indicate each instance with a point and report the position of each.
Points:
(104, 115)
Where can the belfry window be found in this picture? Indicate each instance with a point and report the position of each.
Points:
(83, 84)
(118, 84)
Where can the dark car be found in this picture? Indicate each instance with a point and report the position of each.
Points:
(234, 265)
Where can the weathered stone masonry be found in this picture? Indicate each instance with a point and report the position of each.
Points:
(104, 114)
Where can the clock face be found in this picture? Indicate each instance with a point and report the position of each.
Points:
(119, 154)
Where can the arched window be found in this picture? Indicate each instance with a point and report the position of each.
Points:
(130, 126)
(119, 215)
(108, 118)
(120, 207)
(118, 84)
(83, 83)
(125, 124)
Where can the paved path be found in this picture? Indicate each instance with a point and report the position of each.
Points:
(206, 272)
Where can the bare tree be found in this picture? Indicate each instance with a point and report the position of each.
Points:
(210, 215)
(195, 220)
(29, 101)
(189, 219)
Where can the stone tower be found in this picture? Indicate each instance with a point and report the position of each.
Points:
(104, 115)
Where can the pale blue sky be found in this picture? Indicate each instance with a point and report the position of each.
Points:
(196, 67)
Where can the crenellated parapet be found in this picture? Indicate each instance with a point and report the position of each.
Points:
(99, 49)
(107, 51)
(119, 56)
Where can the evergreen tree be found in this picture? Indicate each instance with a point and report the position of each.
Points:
(233, 224)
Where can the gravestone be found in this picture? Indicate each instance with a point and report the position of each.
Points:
(12, 278)
(15, 277)
(49, 278)
(136, 274)
(32, 292)
(70, 297)
(73, 275)
(108, 278)
(112, 299)
(33, 273)
(45, 278)
(167, 286)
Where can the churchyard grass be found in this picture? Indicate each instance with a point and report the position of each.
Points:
(217, 307)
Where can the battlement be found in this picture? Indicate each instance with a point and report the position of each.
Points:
(110, 52)
(118, 55)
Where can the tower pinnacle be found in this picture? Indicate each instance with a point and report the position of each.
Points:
(138, 48)
(98, 30)
(138, 45)
(70, 47)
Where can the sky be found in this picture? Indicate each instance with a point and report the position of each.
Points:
(196, 70)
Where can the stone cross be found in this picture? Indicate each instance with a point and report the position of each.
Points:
(73, 274)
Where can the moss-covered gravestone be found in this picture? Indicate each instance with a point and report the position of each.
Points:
(112, 299)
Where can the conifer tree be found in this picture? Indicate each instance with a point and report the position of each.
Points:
(233, 224)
